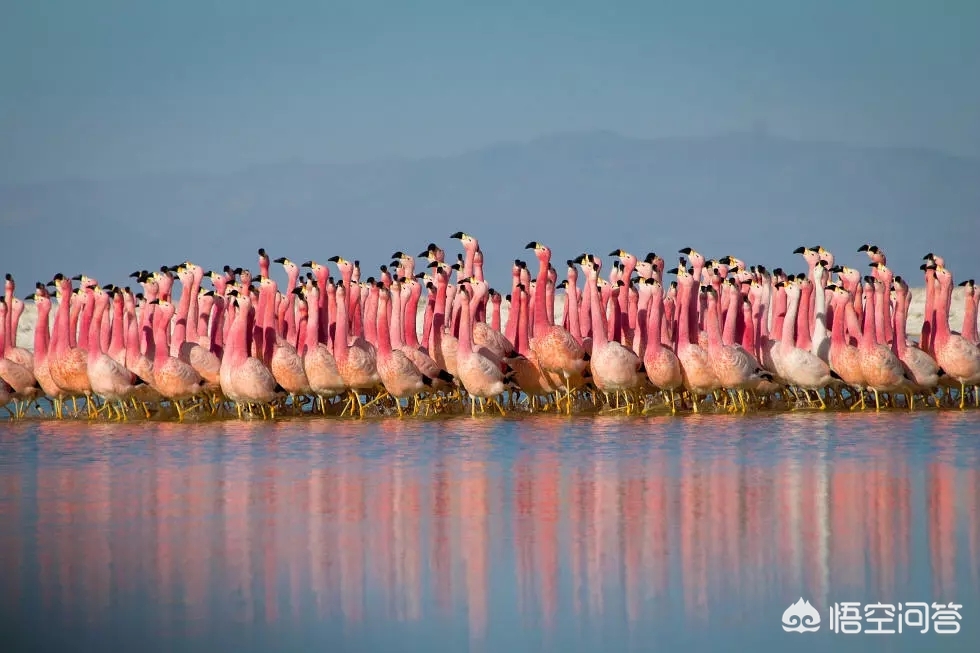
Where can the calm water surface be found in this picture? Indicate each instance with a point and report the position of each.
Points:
(553, 534)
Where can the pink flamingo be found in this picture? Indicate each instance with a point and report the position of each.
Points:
(318, 361)
(109, 379)
(615, 368)
(527, 373)
(662, 367)
(12, 352)
(959, 359)
(480, 376)
(67, 362)
(882, 370)
(800, 367)
(20, 379)
(919, 366)
(356, 366)
(41, 344)
(245, 379)
(174, 379)
(399, 376)
(734, 368)
(845, 358)
(699, 378)
(557, 351)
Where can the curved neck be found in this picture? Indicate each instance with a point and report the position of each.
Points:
(899, 344)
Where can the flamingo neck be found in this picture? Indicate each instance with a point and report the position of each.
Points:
(789, 323)
(41, 333)
(868, 331)
(396, 312)
(161, 328)
(340, 336)
(969, 330)
(312, 328)
(411, 317)
(599, 336)
(86, 321)
(713, 324)
(383, 330)
(465, 329)
(899, 343)
(540, 323)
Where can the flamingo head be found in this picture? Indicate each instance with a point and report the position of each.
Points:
(625, 256)
(542, 252)
(8, 283)
(810, 255)
(695, 257)
(470, 244)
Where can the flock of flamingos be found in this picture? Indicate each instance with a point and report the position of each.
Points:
(722, 337)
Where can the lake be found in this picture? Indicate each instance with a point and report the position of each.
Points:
(534, 533)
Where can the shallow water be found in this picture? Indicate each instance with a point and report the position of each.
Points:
(545, 533)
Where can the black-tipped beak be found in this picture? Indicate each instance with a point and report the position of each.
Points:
(155, 302)
(423, 254)
(297, 291)
(433, 264)
(420, 275)
(963, 283)
(398, 255)
(837, 268)
(77, 277)
(686, 251)
(333, 259)
(307, 264)
(135, 275)
(457, 235)
(616, 252)
(928, 257)
(531, 245)
(799, 250)
(29, 297)
(281, 259)
(261, 251)
(673, 271)
(864, 248)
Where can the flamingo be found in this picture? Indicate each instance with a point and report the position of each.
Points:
(799, 366)
(662, 367)
(732, 365)
(557, 351)
(959, 359)
(920, 366)
(399, 376)
(844, 358)
(21, 380)
(109, 378)
(356, 366)
(882, 370)
(174, 379)
(615, 368)
(696, 370)
(480, 376)
(318, 361)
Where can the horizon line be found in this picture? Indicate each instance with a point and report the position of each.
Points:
(751, 133)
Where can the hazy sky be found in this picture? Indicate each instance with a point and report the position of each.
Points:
(116, 87)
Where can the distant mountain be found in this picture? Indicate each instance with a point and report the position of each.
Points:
(750, 196)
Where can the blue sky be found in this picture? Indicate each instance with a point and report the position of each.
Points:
(110, 88)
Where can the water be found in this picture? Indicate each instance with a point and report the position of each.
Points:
(550, 534)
